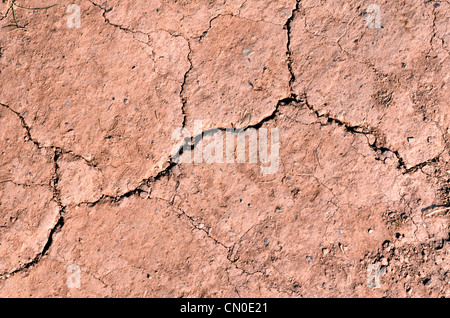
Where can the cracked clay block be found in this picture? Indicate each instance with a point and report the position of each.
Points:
(363, 75)
(108, 98)
(28, 209)
(88, 120)
(243, 77)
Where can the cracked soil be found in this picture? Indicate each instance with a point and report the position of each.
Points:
(87, 117)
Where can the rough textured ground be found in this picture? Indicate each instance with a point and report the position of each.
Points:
(86, 177)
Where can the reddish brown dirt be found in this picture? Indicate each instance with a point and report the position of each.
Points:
(87, 117)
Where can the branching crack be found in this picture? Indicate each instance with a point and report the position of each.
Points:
(367, 130)
(182, 97)
(28, 137)
(58, 226)
(192, 142)
(105, 10)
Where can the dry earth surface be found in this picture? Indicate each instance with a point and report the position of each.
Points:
(88, 185)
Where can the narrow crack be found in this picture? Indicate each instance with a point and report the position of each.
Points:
(6, 15)
(200, 228)
(191, 142)
(39, 256)
(28, 137)
(287, 27)
(200, 38)
(136, 191)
